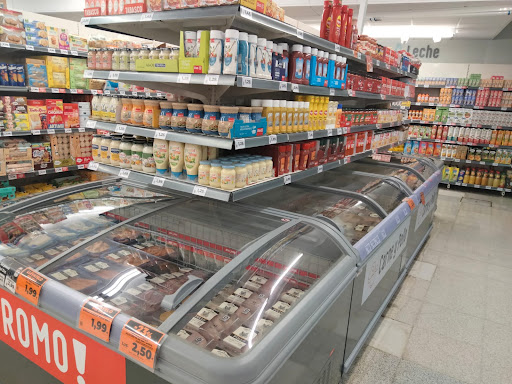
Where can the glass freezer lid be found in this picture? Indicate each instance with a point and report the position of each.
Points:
(246, 305)
(148, 267)
(407, 176)
(354, 218)
(386, 195)
(423, 167)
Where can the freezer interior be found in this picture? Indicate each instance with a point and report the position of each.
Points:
(352, 216)
(381, 190)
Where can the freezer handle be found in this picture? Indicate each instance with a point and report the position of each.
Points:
(170, 302)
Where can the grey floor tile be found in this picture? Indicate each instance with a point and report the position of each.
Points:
(498, 303)
(415, 288)
(431, 256)
(499, 273)
(464, 264)
(404, 309)
(409, 372)
(497, 353)
(422, 270)
(390, 336)
(372, 367)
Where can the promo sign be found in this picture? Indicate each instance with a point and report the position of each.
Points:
(65, 353)
(384, 257)
(425, 209)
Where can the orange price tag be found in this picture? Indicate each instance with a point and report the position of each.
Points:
(29, 284)
(410, 202)
(140, 342)
(96, 318)
(422, 195)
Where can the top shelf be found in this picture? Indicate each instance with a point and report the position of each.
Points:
(7, 48)
(462, 87)
(166, 26)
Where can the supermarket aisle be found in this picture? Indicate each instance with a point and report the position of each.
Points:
(451, 321)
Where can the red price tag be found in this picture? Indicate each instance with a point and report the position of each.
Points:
(140, 342)
(96, 318)
(410, 202)
(29, 285)
(422, 195)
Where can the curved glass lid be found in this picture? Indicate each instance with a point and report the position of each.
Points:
(386, 195)
(250, 301)
(353, 217)
(406, 175)
(424, 166)
(149, 265)
(36, 236)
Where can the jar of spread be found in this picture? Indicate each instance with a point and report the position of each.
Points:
(249, 168)
(179, 116)
(164, 121)
(148, 160)
(203, 172)
(137, 150)
(126, 111)
(154, 54)
(115, 143)
(107, 59)
(164, 54)
(262, 167)
(244, 114)
(91, 59)
(134, 55)
(210, 125)
(269, 166)
(96, 142)
(143, 54)
(161, 155)
(228, 177)
(151, 113)
(104, 107)
(215, 174)
(297, 64)
(137, 117)
(112, 109)
(241, 175)
(227, 119)
(256, 113)
(124, 60)
(194, 120)
(125, 153)
(96, 107)
(116, 60)
(104, 149)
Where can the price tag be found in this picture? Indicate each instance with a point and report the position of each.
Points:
(55, 90)
(457, 160)
(29, 47)
(410, 202)
(487, 187)
(184, 78)
(503, 108)
(146, 16)
(158, 181)
(350, 92)
(52, 50)
(272, 139)
(148, 94)
(295, 87)
(239, 144)
(106, 92)
(476, 186)
(140, 342)
(329, 132)
(422, 196)
(310, 135)
(300, 33)
(41, 172)
(160, 134)
(5, 45)
(199, 190)
(122, 93)
(246, 82)
(159, 94)
(52, 131)
(120, 128)
(495, 164)
(93, 166)
(74, 53)
(245, 12)
(211, 80)
(29, 284)
(94, 91)
(287, 179)
(36, 132)
(332, 91)
(81, 130)
(88, 74)
(68, 130)
(113, 75)
(85, 20)
(74, 90)
(96, 318)
(58, 170)
(426, 86)
(383, 97)
(339, 131)
(12, 177)
(80, 166)
(337, 48)
(283, 86)
(64, 51)
(91, 124)
(135, 93)
(464, 184)
(320, 169)
(124, 173)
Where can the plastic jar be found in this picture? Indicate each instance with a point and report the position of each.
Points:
(211, 117)
(244, 114)
(96, 107)
(260, 162)
(124, 60)
(215, 174)
(286, 61)
(228, 177)
(216, 47)
(91, 59)
(112, 108)
(203, 173)
(148, 159)
(261, 69)
(105, 108)
(154, 54)
(194, 120)
(107, 59)
(164, 54)
(164, 120)
(179, 116)
(228, 116)
(137, 150)
(125, 153)
(115, 143)
(243, 54)
(241, 175)
(249, 168)
(96, 142)
(268, 53)
(231, 51)
(256, 113)
(269, 166)
(137, 116)
(253, 63)
(307, 65)
(116, 60)
(104, 149)
(151, 113)
(134, 55)
(126, 111)
(143, 54)
(297, 64)
(268, 113)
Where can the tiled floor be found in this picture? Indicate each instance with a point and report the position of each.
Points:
(451, 321)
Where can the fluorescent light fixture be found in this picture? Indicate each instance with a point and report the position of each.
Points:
(406, 32)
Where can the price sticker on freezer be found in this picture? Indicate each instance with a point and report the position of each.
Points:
(184, 78)
(410, 202)
(120, 128)
(287, 179)
(96, 318)
(283, 86)
(141, 342)
(113, 75)
(160, 134)
(247, 82)
(239, 144)
(211, 80)
(272, 139)
(29, 285)
(158, 181)
(199, 191)
(124, 173)
(310, 134)
(422, 196)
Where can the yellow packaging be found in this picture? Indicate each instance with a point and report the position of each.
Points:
(57, 69)
(258, 5)
(445, 176)
(454, 174)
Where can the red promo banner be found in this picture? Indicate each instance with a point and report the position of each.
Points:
(65, 353)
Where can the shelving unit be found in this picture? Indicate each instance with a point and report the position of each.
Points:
(460, 125)
(462, 87)
(417, 103)
(459, 143)
(225, 143)
(473, 162)
(502, 190)
(42, 172)
(76, 91)
(7, 48)
(44, 132)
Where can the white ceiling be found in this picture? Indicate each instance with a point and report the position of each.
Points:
(471, 19)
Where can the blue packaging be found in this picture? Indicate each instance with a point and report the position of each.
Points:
(230, 117)
(210, 122)
(165, 118)
(4, 75)
(243, 54)
(194, 113)
(256, 116)
(20, 71)
(13, 77)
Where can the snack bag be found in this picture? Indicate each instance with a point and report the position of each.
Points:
(446, 173)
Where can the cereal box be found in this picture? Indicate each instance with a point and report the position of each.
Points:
(55, 113)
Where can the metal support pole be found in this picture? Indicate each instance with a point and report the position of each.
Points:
(361, 15)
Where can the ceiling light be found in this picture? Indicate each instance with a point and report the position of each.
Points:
(436, 39)
(411, 31)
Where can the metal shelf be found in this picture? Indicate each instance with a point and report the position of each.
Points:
(42, 172)
(460, 125)
(225, 143)
(76, 91)
(165, 26)
(473, 162)
(459, 143)
(463, 87)
(10, 48)
(184, 186)
(417, 103)
(8, 88)
(503, 190)
(50, 131)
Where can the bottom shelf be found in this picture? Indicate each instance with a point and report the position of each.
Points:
(507, 190)
(48, 171)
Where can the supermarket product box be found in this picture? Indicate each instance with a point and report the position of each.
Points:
(81, 147)
(57, 69)
(76, 73)
(195, 64)
(42, 155)
(360, 142)
(70, 115)
(61, 150)
(55, 113)
(40, 25)
(77, 43)
(350, 145)
(57, 38)
(256, 5)
(2, 163)
(10, 18)
(37, 114)
(12, 35)
(36, 72)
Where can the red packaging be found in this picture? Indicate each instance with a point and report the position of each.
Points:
(335, 25)
(360, 142)
(348, 34)
(71, 116)
(437, 149)
(296, 156)
(326, 20)
(322, 151)
(341, 147)
(304, 156)
(313, 152)
(55, 113)
(350, 144)
(332, 151)
(445, 132)
(433, 132)
(135, 8)
(343, 29)
(369, 138)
